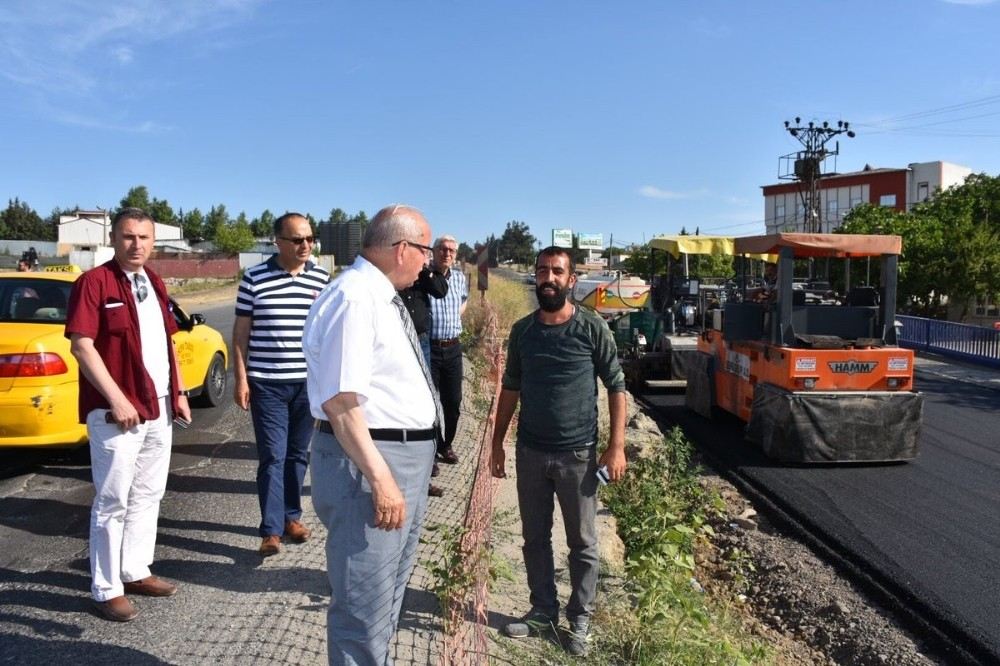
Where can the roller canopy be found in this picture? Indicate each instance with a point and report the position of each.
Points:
(821, 245)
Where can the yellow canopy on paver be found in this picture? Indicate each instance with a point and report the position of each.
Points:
(678, 245)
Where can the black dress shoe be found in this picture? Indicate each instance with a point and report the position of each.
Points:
(448, 456)
(435, 470)
(435, 491)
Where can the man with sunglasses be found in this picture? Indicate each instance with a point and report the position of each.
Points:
(271, 307)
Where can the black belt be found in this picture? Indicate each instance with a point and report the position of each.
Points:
(387, 434)
(445, 343)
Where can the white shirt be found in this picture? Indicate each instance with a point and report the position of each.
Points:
(354, 342)
(152, 336)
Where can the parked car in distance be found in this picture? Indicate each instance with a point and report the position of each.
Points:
(39, 377)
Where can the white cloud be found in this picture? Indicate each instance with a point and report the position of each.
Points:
(59, 50)
(653, 192)
(123, 54)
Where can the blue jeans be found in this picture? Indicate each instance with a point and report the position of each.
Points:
(283, 426)
(568, 475)
(425, 347)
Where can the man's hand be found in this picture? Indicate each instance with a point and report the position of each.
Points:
(183, 408)
(614, 459)
(390, 507)
(497, 461)
(124, 414)
(241, 394)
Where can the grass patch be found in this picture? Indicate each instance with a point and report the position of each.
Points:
(198, 285)
(662, 615)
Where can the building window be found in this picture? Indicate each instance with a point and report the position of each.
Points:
(779, 211)
(923, 191)
(855, 202)
(887, 201)
(831, 209)
(988, 305)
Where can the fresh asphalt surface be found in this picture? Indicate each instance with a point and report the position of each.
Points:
(930, 526)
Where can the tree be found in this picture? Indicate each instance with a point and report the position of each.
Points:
(235, 238)
(516, 244)
(216, 219)
(19, 221)
(951, 245)
(193, 225)
(465, 253)
(138, 197)
(263, 227)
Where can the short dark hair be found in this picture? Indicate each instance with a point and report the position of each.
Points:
(280, 222)
(130, 213)
(555, 251)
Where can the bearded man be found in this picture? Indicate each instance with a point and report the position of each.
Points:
(554, 358)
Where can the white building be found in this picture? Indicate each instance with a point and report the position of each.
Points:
(89, 229)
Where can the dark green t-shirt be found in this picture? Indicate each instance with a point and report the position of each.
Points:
(556, 369)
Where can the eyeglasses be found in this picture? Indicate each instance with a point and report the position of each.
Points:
(428, 250)
(300, 240)
(141, 290)
(447, 250)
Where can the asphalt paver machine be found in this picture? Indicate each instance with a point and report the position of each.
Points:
(821, 382)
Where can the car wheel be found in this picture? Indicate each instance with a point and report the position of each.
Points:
(214, 388)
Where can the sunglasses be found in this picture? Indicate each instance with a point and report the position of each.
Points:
(300, 240)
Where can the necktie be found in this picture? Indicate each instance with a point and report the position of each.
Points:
(411, 335)
(141, 290)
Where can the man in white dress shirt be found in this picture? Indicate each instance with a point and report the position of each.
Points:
(374, 444)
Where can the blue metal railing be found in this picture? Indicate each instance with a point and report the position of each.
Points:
(975, 344)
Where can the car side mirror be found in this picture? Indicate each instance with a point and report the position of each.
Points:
(197, 319)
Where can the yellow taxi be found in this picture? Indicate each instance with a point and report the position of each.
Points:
(38, 375)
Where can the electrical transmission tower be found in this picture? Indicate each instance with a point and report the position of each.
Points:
(806, 166)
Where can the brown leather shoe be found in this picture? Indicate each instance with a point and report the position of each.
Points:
(435, 470)
(151, 586)
(270, 545)
(448, 456)
(435, 491)
(296, 531)
(119, 609)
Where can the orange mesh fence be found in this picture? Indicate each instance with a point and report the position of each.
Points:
(467, 614)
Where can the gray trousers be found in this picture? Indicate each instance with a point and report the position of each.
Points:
(568, 475)
(368, 567)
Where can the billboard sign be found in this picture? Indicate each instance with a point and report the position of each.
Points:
(562, 237)
(591, 241)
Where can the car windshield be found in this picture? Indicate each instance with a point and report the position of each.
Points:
(33, 300)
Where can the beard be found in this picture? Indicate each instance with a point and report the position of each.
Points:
(551, 302)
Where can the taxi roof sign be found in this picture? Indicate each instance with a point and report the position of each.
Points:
(63, 268)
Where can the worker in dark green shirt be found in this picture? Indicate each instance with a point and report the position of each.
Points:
(554, 357)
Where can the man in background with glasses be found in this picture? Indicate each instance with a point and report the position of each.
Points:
(119, 323)
(271, 307)
(446, 347)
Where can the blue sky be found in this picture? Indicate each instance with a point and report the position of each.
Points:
(623, 118)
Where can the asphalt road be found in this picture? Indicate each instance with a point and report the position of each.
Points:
(45, 496)
(931, 526)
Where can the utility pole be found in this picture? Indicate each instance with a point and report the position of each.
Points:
(806, 166)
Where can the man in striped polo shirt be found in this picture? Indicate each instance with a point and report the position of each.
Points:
(446, 350)
(271, 307)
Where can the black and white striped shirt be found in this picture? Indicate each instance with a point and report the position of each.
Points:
(277, 303)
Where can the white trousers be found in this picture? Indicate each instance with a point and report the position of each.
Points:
(130, 476)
